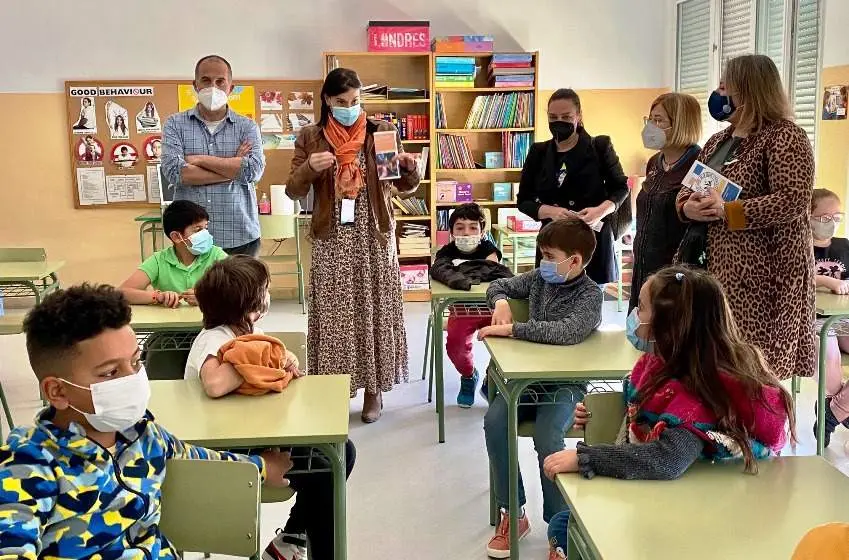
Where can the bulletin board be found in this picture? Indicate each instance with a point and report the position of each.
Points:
(115, 131)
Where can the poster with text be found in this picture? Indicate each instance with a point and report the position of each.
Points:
(125, 188)
(147, 120)
(87, 121)
(116, 117)
(153, 188)
(91, 185)
(242, 100)
(834, 103)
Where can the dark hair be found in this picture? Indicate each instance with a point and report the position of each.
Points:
(696, 336)
(181, 214)
(67, 317)
(467, 211)
(568, 94)
(337, 82)
(214, 57)
(822, 194)
(570, 235)
(230, 291)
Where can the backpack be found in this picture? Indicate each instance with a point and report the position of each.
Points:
(621, 218)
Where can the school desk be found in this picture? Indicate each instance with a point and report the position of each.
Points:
(311, 412)
(176, 328)
(504, 234)
(29, 278)
(467, 303)
(712, 511)
(606, 355)
(150, 223)
(833, 308)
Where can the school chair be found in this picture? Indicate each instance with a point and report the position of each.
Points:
(295, 342)
(280, 229)
(211, 507)
(826, 542)
(26, 288)
(165, 364)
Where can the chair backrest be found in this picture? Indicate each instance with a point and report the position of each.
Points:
(211, 506)
(165, 364)
(295, 342)
(608, 412)
(22, 254)
(519, 308)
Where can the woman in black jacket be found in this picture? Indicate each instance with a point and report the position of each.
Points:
(574, 173)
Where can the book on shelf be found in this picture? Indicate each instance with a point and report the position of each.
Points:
(421, 161)
(441, 120)
(410, 127)
(457, 72)
(453, 191)
(467, 83)
(407, 93)
(515, 146)
(502, 192)
(493, 160)
(454, 152)
(515, 58)
(502, 110)
(511, 71)
(463, 44)
(414, 277)
(412, 206)
(372, 92)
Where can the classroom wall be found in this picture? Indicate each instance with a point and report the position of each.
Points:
(833, 136)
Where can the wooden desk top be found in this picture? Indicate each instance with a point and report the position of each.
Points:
(511, 233)
(313, 409)
(28, 271)
(605, 354)
(156, 317)
(713, 511)
(832, 304)
(154, 217)
(438, 290)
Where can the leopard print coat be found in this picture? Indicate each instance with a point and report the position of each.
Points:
(763, 253)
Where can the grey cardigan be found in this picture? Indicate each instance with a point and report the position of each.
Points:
(559, 313)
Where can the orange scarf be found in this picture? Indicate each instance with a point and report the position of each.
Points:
(347, 143)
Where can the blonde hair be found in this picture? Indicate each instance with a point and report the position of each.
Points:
(685, 116)
(821, 194)
(754, 81)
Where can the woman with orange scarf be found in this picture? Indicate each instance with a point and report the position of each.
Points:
(356, 314)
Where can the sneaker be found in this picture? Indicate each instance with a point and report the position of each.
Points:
(466, 396)
(485, 389)
(556, 553)
(831, 422)
(499, 545)
(286, 546)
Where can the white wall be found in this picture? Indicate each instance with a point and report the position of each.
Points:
(835, 50)
(583, 43)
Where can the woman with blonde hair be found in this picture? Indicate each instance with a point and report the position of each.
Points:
(673, 127)
(760, 246)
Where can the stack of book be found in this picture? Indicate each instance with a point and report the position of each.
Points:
(502, 110)
(374, 92)
(463, 44)
(441, 120)
(412, 206)
(454, 152)
(414, 240)
(455, 72)
(410, 127)
(512, 70)
(421, 161)
(515, 146)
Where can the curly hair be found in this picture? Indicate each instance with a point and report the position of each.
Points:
(67, 317)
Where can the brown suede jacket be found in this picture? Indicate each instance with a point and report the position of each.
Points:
(301, 177)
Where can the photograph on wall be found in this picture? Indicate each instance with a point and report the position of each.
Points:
(300, 100)
(834, 103)
(125, 188)
(152, 149)
(147, 120)
(91, 185)
(125, 155)
(116, 116)
(242, 100)
(89, 150)
(297, 121)
(271, 100)
(87, 121)
(154, 192)
(270, 122)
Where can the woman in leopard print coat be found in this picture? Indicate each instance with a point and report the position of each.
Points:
(759, 246)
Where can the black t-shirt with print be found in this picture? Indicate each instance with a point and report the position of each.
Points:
(485, 249)
(833, 260)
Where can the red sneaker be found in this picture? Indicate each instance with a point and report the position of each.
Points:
(499, 545)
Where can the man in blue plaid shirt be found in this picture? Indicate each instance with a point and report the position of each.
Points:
(213, 157)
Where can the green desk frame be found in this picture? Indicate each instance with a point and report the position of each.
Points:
(29, 279)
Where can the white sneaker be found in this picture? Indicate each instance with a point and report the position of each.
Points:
(286, 546)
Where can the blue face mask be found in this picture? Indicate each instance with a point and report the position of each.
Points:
(346, 115)
(632, 323)
(201, 242)
(720, 106)
(548, 271)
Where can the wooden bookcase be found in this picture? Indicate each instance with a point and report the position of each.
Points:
(457, 103)
(408, 70)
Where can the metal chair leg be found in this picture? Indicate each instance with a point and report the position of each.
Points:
(7, 412)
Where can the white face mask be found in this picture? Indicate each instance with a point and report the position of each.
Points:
(212, 98)
(654, 137)
(118, 403)
(467, 243)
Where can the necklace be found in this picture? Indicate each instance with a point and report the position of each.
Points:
(668, 166)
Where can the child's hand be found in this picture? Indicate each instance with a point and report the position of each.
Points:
(582, 416)
(168, 299)
(839, 287)
(277, 464)
(189, 297)
(561, 462)
(290, 364)
(502, 315)
(496, 330)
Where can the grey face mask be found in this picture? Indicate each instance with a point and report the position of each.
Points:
(823, 230)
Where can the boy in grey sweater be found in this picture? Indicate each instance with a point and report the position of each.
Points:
(564, 308)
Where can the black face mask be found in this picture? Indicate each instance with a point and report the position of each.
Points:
(561, 130)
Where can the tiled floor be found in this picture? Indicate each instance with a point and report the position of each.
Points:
(410, 498)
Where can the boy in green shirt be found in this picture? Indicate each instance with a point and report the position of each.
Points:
(174, 271)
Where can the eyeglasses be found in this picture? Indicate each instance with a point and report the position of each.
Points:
(657, 121)
(837, 217)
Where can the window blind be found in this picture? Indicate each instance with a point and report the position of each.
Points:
(772, 25)
(806, 63)
(694, 49)
(737, 30)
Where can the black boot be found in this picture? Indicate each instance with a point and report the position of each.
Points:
(831, 422)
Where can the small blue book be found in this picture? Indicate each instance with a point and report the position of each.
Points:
(502, 192)
(493, 160)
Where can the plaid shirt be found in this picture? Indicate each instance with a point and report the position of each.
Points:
(232, 206)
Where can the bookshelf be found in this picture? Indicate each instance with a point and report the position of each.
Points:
(400, 70)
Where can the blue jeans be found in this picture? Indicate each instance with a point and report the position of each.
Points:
(558, 529)
(551, 422)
